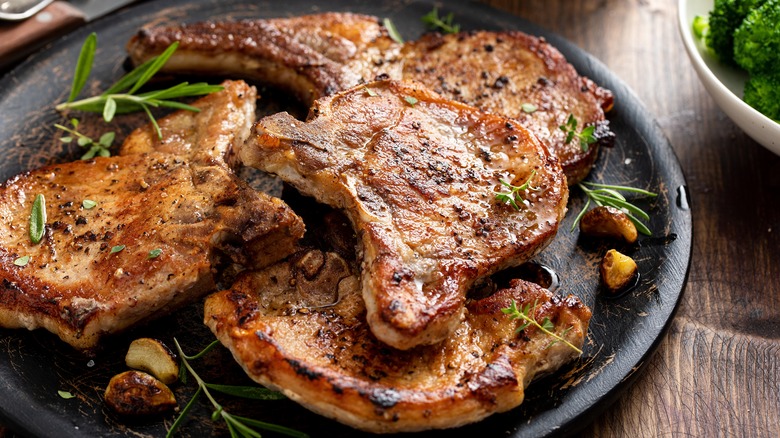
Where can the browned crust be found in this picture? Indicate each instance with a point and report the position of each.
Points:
(421, 198)
(310, 55)
(498, 72)
(328, 360)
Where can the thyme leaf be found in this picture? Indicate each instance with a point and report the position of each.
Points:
(586, 136)
(526, 314)
(444, 24)
(513, 196)
(99, 148)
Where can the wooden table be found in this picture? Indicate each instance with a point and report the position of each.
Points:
(717, 373)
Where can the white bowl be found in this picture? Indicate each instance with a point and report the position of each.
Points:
(724, 83)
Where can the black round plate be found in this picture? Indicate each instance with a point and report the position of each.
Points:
(624, 331)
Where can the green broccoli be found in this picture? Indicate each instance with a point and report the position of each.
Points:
(725, 18)
(762, 92)
(757, 40)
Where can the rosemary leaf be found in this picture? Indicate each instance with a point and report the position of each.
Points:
(38, 219)
(250, 392)
(83, 66)
(392, 31)
(154, 67)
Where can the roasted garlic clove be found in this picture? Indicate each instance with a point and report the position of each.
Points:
(617, 270)
(604, 221)
(138, 393)
(152, 356)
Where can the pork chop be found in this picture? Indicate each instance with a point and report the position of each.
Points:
(132, 237)
(310, 55)
(417, 175)
(300, 327)
(211, 136)
(509, 73)
(520, 77)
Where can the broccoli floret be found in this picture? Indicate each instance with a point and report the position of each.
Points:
(762, 92)
(757, 40)
(725, 18)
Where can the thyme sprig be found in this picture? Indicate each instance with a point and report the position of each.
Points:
(100, 147)
(123, 97)
(526, 313)
(513, 196)
(609, 195)
(444, 24)
(585, 136)
(237, 426)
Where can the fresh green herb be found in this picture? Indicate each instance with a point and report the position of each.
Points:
(237, 426)
(83, 66)
(117, 248)
(65, 394)
(528, 108)
(410, 100)
(100, 147)
(121, 97)
(38, 219)
(370, 92)
(22, 261)
(526, 313)
(701, 25)
(513, 196)
(443, 24)
(153, 254)
(392, 31)
(585, 136)
(609, 195)
(88, 204)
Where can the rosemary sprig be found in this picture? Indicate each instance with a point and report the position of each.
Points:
(609, 195)
(526, 313)
(444, 24)
(585, 136)
(122, 97)
(513, 196)
(237, 426)
(392, 31)
(100, 147)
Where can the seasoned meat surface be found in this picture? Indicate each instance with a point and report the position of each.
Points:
(417, 175)
(300, 327)
(211, 136)
(505, 72)
(310, 55)
(511, 74)
(95, 271)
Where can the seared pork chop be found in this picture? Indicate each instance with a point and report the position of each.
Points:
(417, 175)
(505, 72)
(97, 269)
(316, 55)
(300, 327)
(210, 137)
(311, 55)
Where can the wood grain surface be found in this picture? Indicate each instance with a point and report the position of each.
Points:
(717, 372)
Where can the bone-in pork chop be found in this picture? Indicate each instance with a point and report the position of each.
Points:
(300, 327)
(506, 73)
(311, 55)
(517, 76)
(132, 237)
(417, 175)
